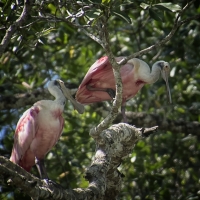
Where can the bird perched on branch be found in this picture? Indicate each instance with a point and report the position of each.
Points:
(99, 83)
(40, 127)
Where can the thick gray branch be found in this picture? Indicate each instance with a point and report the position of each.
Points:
(19, 22)
(113, 144)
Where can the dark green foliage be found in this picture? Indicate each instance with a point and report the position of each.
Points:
(163, 166)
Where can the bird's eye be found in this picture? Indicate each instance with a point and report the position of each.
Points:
(57, 83)
(166, 68)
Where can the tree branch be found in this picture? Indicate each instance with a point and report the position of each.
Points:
(113, 144)
(104, 36)
(176, 126)
(28, 98)
(104, 42)
(167, 38)
(19, 22)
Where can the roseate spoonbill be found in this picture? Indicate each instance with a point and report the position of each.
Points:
(99, 84)
(40, 127)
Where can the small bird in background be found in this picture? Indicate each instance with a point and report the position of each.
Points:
(99, 83)
(40, 127)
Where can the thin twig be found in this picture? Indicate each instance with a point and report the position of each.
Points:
(96, 39)
(164, 40)
(25, 26)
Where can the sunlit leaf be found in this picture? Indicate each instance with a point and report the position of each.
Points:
(52, 8)
(168, 6)
(46, 31)
(123, 16)
(105, 1)
(144, 5)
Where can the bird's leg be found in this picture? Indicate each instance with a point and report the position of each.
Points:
(43, 174)
(123, 109)
(41, 168)
(110, 91)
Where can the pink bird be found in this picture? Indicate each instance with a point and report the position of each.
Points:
(40, 127)
(99, 84)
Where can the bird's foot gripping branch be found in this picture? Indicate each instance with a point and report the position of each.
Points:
(113, 144)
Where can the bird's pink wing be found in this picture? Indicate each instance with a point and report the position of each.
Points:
(83, 95)
(95, 69)
(100, 75)
(24, 134)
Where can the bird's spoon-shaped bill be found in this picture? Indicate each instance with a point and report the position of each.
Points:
(79, 107)
(165, 77)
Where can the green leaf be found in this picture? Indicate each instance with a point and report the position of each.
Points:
(105, 1)
(19, 86)
(155, 15)
(168, 6)
(144, 6)
(52, 8)
(45, 32)
(123, 16)
(95, 2)
(94, 14)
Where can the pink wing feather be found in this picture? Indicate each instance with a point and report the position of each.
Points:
(101, 70)
(24, 134)
(100, 75)
(96, 68)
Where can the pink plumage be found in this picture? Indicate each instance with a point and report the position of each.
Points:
(36, 133)
(100, 75)
(40, 127)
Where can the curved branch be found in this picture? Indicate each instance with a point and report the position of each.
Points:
(113, 144)
(19, 22)
(104, 35)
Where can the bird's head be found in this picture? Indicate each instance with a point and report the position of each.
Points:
(54, 88)
(53, 83)
(165, 70)
(56, 83)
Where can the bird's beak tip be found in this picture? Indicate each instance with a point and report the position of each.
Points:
(80, 108)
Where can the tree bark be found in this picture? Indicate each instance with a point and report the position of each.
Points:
(112, 146)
